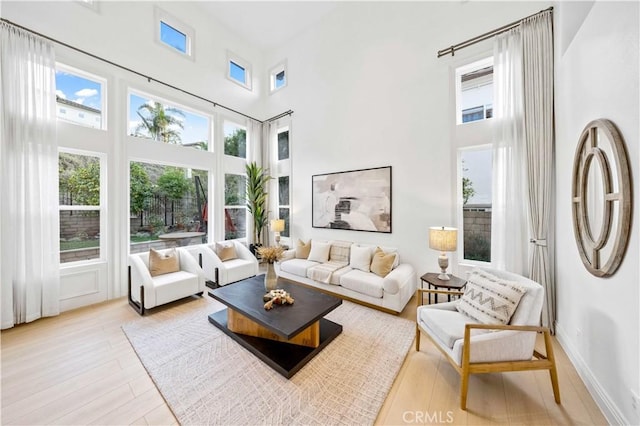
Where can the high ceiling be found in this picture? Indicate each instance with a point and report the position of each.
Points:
(268, 24)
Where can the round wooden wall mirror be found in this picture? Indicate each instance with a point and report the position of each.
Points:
(601, 197)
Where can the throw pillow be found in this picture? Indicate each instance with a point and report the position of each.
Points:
(163, 263)
(360, 258)
(339, 251)
(382, 263)
(489, 299)
(319, 252)
(303, 249)
(226, 251)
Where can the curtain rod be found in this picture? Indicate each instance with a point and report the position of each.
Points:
(149, 78)
(452, 50)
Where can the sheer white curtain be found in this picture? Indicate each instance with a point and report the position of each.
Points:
(537, 38)
(522, 220)
(29, 234)
(509, 236)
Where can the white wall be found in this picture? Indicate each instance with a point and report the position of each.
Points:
(124, 32)
(598, 318)
(368, 90)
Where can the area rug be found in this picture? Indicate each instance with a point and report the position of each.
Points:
(207, 378)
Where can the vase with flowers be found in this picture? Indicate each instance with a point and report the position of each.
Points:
(270, 255)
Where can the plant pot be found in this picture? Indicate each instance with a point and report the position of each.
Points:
(253, 248)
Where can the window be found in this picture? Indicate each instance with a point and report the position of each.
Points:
(283, 145)
(80, 97)
(235, 209)
(476, 174)
(278, 77)
(80, 194)
(153, 119)
(284, 176)
(172, 37)
(238, 70)
(474, 91)
(174, 34)
(235, 140)
(165, 199)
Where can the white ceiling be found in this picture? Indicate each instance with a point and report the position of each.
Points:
(268, 24)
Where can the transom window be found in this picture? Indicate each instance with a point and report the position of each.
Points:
(474, 91)
(238, 70)
(154, 119)
(278, 77)
(80, 97)
(173, 33)
(172, 37)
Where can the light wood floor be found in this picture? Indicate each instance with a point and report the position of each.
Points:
(79, 368)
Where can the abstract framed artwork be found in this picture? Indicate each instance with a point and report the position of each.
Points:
(358, 200)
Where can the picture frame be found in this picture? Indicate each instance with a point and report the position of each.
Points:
(356, 200)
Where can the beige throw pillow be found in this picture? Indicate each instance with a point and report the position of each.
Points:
(303, 249)
(489, 299)
(226, 251)
(382, 263)
(163, 263)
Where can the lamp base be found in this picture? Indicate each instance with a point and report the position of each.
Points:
(443, 263)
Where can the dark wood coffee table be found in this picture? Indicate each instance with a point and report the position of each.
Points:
(285, 337)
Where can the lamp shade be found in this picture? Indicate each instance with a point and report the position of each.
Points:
(277, 225)
(442, 238)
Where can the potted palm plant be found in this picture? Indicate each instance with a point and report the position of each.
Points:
(257, 179)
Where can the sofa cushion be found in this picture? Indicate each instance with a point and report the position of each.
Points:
(362, 282)
(174, 285)
(319, 251)
(448, 326)
(489, 299)
(236, 270)
(382, 263)
(297, 266)
(340, 251)
(303, 249)
(360, 258)
(226, 251)
(161, 263)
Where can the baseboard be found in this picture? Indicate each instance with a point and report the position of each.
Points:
(608, 407)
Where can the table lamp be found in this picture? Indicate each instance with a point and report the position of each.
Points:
(277, 226)
(443, 239)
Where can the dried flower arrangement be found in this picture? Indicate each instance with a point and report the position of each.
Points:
(271, 254)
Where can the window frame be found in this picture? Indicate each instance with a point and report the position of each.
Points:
(460, 203)
(459, 72)
(246, 65)
(281, 67)
(103, 93)
(283, 169)
(101, 208)
(162, 16)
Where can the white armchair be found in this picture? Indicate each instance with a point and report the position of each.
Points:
(474, 348)
(218, 272)
(146, 291)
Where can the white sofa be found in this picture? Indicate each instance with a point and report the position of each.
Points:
(389, 293)
(146, 291)
(218, 272)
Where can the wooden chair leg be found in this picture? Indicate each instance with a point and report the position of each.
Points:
(464, 388)
(417, 338)
(553, 372)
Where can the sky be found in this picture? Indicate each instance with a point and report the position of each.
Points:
(79, 90)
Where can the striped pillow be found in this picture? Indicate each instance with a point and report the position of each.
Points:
(489, 299)
(340, 251)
